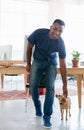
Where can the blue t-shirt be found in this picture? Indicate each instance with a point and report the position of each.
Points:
(46, 49)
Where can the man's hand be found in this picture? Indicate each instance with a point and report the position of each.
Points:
(65, 91)
(28, 67)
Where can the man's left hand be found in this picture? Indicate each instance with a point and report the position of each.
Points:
(65, 91)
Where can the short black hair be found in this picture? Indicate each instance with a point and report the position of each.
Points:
(61, 22)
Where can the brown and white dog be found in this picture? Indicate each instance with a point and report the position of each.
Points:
(65, 104)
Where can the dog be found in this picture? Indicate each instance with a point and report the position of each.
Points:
(65, 104)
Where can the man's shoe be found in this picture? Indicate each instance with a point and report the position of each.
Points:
(39, 115)
(46, 120)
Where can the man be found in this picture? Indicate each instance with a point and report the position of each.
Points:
(48, 43)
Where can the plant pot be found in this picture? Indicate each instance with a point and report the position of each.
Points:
(75, 63)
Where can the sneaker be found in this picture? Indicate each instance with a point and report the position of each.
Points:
(38, 115)
(47, 123)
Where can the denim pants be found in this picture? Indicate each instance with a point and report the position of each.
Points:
(36, 72)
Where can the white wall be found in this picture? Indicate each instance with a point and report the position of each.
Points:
(72, 13)
(20, 17)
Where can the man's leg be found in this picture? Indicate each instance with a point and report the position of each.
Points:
(35, 76)
(51, 73)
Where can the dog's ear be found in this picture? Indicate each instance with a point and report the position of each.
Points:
(56, 95)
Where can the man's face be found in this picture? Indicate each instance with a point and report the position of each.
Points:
(56, 30)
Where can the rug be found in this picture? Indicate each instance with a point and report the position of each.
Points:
(11, 95)
(16, 94)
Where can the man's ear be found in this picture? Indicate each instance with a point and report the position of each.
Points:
(51, 27)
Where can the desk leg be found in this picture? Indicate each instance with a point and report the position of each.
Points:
(79, 85)
(83, 80)
(2, 80)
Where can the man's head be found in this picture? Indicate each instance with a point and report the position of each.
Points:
(56, 29)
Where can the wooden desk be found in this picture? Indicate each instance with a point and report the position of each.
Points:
(79, 72)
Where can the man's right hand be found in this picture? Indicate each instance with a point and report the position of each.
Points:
(28, 67)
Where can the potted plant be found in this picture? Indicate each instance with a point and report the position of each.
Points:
(75, 58)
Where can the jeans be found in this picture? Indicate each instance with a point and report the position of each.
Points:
(36, 72)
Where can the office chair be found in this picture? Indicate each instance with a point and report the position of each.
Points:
(70, 77)
(11, 75)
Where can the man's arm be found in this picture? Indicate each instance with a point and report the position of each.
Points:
(28, 55)
(63, 71)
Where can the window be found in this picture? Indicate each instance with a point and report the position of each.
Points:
(19, 18)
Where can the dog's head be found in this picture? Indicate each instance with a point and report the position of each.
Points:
(61, 98)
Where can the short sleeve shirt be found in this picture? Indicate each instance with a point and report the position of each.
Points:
(46, 49)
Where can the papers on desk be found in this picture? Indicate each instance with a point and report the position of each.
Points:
(19, 65)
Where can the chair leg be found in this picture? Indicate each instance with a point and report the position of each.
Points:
(25, 81)
(26, 102)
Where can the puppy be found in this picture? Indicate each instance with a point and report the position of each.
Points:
(65, 104)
